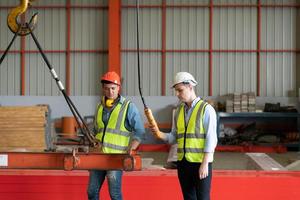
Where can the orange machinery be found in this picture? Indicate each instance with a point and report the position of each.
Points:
(69, 161)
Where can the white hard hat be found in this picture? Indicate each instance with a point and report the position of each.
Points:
(184, 77)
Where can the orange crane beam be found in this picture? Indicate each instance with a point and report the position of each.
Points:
(69, 161)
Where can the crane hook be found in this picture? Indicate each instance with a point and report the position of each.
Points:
(12, 19)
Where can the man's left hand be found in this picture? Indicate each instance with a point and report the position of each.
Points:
(203, 170)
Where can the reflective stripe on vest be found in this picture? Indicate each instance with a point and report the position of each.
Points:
(114, 137)
(191, 139)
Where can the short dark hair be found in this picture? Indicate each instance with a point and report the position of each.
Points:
(107, 82)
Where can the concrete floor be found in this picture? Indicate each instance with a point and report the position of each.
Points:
(227, 160)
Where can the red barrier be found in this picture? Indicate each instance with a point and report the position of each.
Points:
(148, 185)
(220, 148)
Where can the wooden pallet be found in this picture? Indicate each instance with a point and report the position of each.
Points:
(23, 127)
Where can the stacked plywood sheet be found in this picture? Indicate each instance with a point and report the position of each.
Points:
(244, 102)
(236, 102)
(23, 128)
(229, 103)
(251, 102)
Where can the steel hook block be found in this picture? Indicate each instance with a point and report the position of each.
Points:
(12, 19)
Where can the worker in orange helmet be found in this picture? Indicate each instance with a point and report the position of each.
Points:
(194, 131)
(119, 129)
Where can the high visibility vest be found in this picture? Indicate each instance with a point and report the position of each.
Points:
(191, 137)
(114, 136)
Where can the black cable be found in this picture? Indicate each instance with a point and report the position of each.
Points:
(85, 130)
(77, 115)
(138, 52)
(8, 47)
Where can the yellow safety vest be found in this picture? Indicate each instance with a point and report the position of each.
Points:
(191, 138)
(114, 136)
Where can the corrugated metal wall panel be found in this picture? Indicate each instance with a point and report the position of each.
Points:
(149, 29)
(88, 32)
(278, 2)
(61, 2)
(234, 73)
(10, 68)
(10, 75)
(50, 30)
(141, 2)
(278, 74)
(9, 2)
(235, 28)
(73, 2)
(187, 2)
(278, 28)
(5, 34)
(51, 34)
(150, 63)
(50, 2)
(38, 80)
(247, 2)
(150, 74)
(278, 70)
(195, 63)
(90, 2)
(88, 29)
(85, 73)
(187, 28)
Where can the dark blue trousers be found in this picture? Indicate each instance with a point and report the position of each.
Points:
(192, 187)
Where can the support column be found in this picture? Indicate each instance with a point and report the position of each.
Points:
(68, 48)
(114, 38)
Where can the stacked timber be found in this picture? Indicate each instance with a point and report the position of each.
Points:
(229, 103)
(236, 102)
(23, 128)
(244, 102)
(251, 102)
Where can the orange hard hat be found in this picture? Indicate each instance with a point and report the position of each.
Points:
(112, 77)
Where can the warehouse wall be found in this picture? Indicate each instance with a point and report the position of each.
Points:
(229, 45)
(242, 46)
(74, 38)
(160, 106)
(86, 105)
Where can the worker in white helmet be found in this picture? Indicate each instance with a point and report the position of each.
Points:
(195, 133)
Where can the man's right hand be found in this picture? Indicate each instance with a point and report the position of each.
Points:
(97, 148)
(153, 125)
(156, 132)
